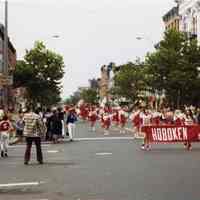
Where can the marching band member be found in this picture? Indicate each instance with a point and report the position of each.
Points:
(106, 122)
(93, 118)
(123, 116)
(136, 121)
(115, 117)
(145, 116)
(156, 116)
(189, 120)
(179, 118)
(101, 114)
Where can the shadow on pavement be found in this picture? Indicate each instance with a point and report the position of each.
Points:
(171, 150)
(20, 191)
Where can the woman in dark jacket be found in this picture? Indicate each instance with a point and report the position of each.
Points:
(56, 126)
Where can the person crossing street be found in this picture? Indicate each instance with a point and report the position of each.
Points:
(71, 119)
(33, 131)
(5, 128)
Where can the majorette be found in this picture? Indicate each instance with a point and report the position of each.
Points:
(123, 116)
(106, 122)
(145, 116)
(115, 116)
(179, 118)
(84, 112)
(156, 117)
(93, 117)
(136, 120)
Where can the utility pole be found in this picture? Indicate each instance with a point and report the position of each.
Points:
(5, 56)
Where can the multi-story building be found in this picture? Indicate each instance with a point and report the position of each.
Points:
(172, 19)
(189, 12)
(104, 83)
(6, 82)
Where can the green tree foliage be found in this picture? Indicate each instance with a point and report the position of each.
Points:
(90, 96)
(40, 72)
(130, 80)
(173, 68)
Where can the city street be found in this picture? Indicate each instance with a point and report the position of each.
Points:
(102, 170)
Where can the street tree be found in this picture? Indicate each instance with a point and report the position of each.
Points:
(173, 68)
(90, 96)
(130, 80)
(40, 73)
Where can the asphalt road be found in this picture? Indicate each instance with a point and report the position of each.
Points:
(102, 170)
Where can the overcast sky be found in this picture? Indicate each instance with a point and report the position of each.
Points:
(92, 32)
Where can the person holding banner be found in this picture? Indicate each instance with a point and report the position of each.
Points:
(145, 116)
(189, 120)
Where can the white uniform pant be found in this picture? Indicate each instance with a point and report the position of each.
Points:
(4, 140)
(71, 130)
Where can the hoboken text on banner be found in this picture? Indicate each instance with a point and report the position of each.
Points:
(171, 133)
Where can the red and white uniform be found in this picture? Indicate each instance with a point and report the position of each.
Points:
(84, 112)
(179, 119)
(123, 117)
(136, 120)
(101, 114)
(106, 120)
(93, 118)
(156, 116)
(115, 117)
(145, 118)
(188, 121)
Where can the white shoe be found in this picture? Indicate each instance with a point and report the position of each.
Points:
(148, 147)
(106, 133)
(143, 147)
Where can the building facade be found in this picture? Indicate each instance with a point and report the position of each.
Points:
(104, 83)
(172, 19)
(6, 82)
(189, 12)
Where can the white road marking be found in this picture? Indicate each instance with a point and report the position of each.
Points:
(8, 185)
(41, 199)
(104, 138)
(52, 151)
(103, 154)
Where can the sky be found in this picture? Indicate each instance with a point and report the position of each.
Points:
(91, 33)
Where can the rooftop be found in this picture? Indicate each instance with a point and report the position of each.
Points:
(9, 42)
(174, 12)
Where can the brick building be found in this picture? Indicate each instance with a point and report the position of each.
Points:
(172, 19)
(12, 60)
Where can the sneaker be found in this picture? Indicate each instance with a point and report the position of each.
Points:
(189, 147)
(2, 154)
(6, 154)
(40, 162)
(143, 147)
(185, 145)
(26, 163)
(148, 148)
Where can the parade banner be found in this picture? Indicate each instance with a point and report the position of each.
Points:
(172, 134)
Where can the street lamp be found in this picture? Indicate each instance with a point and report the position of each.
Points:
(145, 38)
(5, 55)
(56, 36)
